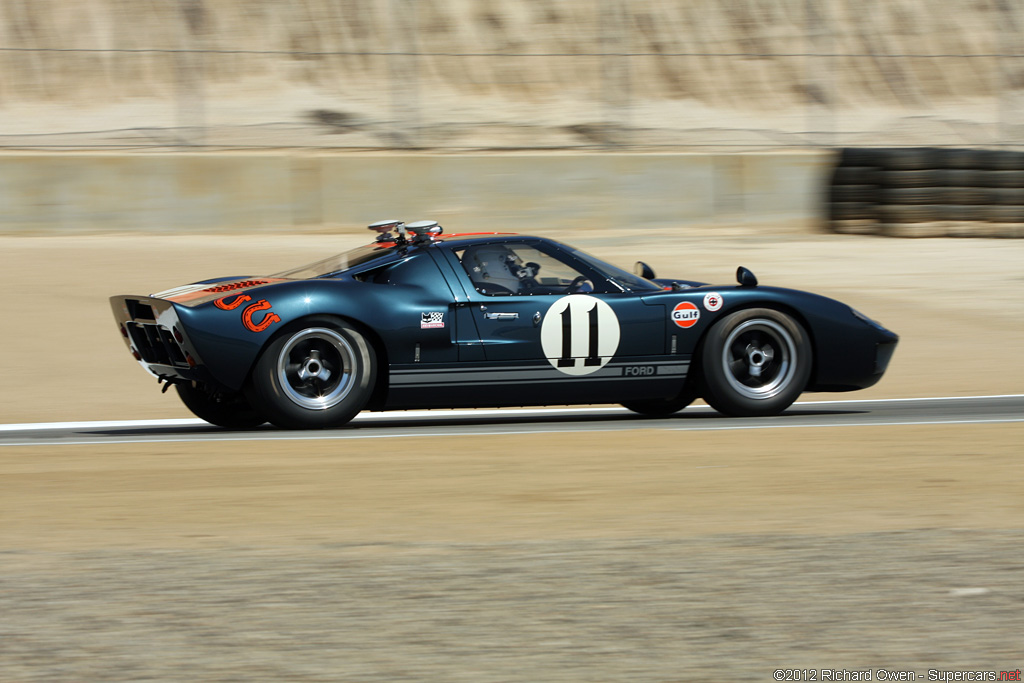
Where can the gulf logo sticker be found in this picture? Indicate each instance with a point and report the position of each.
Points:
(685, 314)
(712, 301)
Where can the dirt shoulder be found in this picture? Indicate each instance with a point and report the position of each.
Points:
(531, 487)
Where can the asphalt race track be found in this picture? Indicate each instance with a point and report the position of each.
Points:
(806, 414)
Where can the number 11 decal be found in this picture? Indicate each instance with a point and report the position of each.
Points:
(566, 360)
(580, 334)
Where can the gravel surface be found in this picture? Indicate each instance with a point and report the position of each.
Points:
(716, 608)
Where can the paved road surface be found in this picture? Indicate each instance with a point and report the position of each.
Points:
(941, 410)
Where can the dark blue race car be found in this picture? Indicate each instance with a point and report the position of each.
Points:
(419, 319)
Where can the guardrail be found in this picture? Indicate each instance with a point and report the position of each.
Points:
(525, 192)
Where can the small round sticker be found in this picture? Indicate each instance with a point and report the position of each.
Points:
(685, 314)
(712, 301)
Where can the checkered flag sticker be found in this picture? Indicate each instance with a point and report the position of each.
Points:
(431, 319)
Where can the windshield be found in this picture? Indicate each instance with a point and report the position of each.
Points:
(625, 278)
(338, 263)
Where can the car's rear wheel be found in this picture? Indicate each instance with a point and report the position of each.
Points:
(313, 376)
(755, 362)
(231, 411)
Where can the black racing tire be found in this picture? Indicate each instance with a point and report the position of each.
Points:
(755, 362)
(909, 158)
(965, 212)
(853, 193)
(998, 178)
(912, 195)
(1013, 196)
(910, 213)
(1001, 160)
(662, 407)
(917, 178)
(231, 411)
(1004, 214)
(959, 158)
(959, 177)
(968, 195)
(846, 211)
(854, 175)
(316, 374)
(862, 156)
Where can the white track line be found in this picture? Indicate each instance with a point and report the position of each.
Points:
(921, 398)
(100, 424)
(415, 414)
(194, 422)
(336, 436)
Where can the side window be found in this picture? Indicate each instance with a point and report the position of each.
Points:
(507, 269)
(418, 272)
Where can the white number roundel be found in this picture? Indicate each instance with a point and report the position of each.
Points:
(580, 334)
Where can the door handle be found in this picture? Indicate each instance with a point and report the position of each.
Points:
(501, 316)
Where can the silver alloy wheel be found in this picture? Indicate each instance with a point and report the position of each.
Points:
(315, 368)
(759, 358)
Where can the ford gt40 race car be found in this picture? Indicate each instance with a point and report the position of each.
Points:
(420, 319)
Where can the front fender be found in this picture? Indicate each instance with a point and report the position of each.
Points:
(849, 352)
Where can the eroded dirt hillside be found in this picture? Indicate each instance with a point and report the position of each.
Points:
(438, 70)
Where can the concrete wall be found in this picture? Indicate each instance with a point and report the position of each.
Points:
(54, 193)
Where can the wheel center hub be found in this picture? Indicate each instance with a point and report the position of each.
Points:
(758, 357)
(312, 368)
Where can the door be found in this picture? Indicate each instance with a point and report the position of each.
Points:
(548, 325)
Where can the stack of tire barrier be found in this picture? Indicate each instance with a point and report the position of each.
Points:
(928, 192)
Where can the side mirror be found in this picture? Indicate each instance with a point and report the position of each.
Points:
(745, 277)
(644, 270)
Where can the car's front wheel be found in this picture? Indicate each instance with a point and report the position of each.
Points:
(313, 376)
(228, 411)
(755, 362)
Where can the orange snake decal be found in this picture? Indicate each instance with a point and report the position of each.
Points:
(268, 320)
(225, 306)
